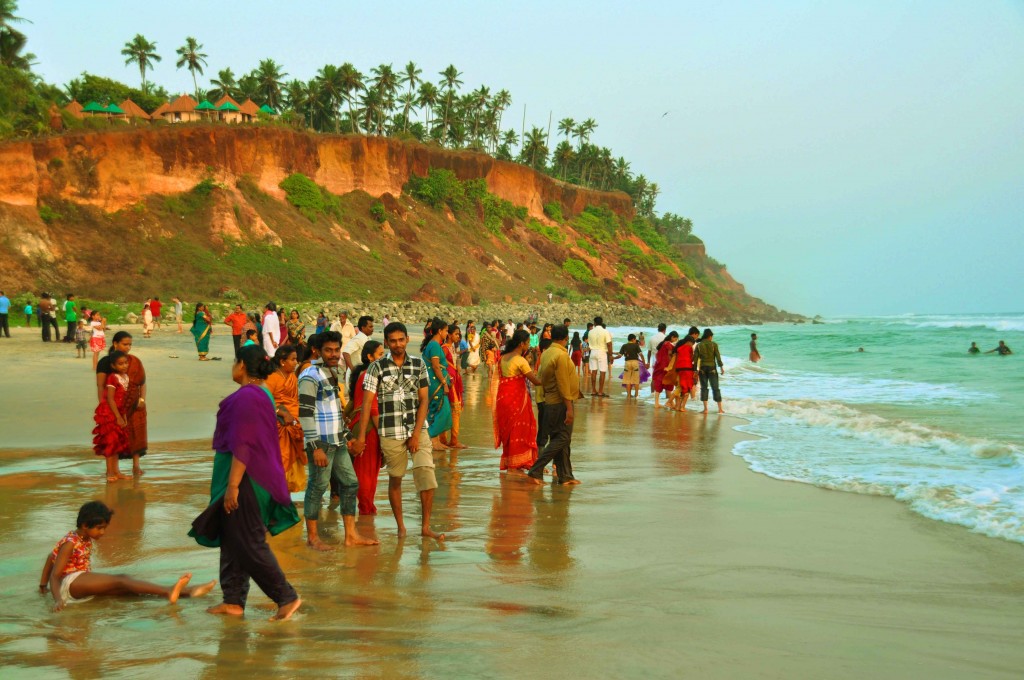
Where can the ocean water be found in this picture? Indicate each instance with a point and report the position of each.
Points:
(913, 417)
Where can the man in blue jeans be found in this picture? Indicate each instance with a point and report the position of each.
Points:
(5, 309)
(327, 440)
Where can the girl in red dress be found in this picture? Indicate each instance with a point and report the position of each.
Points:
(367, 464)
(661, 361)
(110, 436)
(684, 369)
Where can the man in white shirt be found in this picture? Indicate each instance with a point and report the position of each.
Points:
(652, 344)
(271, 329)
(352, 350)
(344, 326)
(509, 328)
(600, 341)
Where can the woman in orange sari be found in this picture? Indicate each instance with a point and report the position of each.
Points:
(515, 427)
(284, 387)
(367, 464)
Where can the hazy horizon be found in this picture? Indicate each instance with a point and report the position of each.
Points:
(840, 159)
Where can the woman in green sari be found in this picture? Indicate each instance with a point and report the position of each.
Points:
(439, 414)
(248, 493)
(201, 330)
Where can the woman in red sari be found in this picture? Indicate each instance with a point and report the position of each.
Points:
(367, 464)
(515, 427)
(664, 351)
(450, 347)
(684, 369)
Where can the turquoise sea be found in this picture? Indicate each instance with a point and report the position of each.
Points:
(914, 416)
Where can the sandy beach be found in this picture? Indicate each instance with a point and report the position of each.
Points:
(672, 559)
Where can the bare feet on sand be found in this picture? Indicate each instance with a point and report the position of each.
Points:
(431, 534)
(317, 544)
(402, 533)
(285, 611)
(572, 482)
(138, 472)
(175, 593)
(534, 479)
(226, 609)
(199, 591)
(356, 539)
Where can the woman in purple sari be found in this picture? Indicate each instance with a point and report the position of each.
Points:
(248, 493)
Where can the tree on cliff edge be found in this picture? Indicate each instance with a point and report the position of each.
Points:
(142, 52)
(190, 56)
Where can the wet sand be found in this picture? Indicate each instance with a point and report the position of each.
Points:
(672, 559)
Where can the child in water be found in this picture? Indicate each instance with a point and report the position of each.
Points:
(68, 574)
(111, 438)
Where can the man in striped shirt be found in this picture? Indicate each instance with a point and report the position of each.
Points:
(327, 443)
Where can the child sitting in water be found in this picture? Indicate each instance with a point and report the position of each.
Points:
(68, 573)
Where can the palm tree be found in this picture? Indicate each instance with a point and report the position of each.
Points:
(190, 56)
(386, 81)
(269, 77)
(450, 82)
(479, 99)
(428, 98)
(332, 90)
(248, 87)
(351, 82)
(407, 100)
(372, 102)
(410, 77)
(588, 126)
(142, 52)
(223, 84)
(563, 156)
(501, 101)
(534, 146)
(12, 41)
(566, 127)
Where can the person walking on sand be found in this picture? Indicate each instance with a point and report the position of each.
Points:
(98, 341)
(327, 440)
(70, 317)
(135, 400)
(68, 572)
(633, 353)
(157, 308)
(400, 383)
(561, 390)
(178, 313)
(147, 321)
(271, 329)
(755, 356)
(202, 328)
(600, 352)
(709, 362)
(248, 493)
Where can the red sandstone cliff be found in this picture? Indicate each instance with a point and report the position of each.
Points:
(113, 170)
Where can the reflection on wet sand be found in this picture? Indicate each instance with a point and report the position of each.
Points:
(670, 556)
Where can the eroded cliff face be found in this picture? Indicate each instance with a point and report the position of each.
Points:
(113, 170)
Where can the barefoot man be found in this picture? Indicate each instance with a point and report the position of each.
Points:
(561, 390)
(327, 443)
(400, 383)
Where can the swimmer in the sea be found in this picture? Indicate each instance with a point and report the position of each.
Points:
(1002, 349)
(973, 349)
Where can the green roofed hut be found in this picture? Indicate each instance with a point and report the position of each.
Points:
(228, 110)
(116, 112)
(95, 109)
(269, 111)
(207, 109)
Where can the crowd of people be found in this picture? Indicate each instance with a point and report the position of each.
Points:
(321, 413)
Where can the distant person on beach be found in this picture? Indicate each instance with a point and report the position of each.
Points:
(600, 355)
(1001, 349)
(321, 322)
(248, 492)
(177, 313)
(755, 356)
(353, 349)
(709, 363)
(296, 329)
(157, 308)
(5, 310)
(110, 436)
(147, 321)
(632, 352)
(237, 319)
(98, 341)
(250, 338)
(561, 390)
(81, 339)
(51, 318)
(135, 401)
(655, 341)
(70, 317)
(28, 315)
(974, 349)
(400, 384)
(202, 329)
(328, 442)
(68, 573)
(576, 352)
(271, 329)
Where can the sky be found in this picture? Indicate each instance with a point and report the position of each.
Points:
(841, 158)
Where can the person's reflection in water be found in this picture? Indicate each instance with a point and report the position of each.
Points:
(243, 652)
(551, 544)
(448, 492)
(511, 519)
(122, 543)
(72, 648)
(706, 434)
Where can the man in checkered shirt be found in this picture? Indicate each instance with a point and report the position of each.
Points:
(326, 438)
(400, 383)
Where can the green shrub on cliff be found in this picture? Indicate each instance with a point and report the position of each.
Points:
(553, 234)
(587, 246)
(310, 198)
(438, 188)
(554, 211)
(579, 270)
(378, 212)
(600, 224)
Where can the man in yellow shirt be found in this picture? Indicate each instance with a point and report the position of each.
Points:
(561, 390)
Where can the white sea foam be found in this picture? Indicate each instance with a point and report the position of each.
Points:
(1000, 323)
